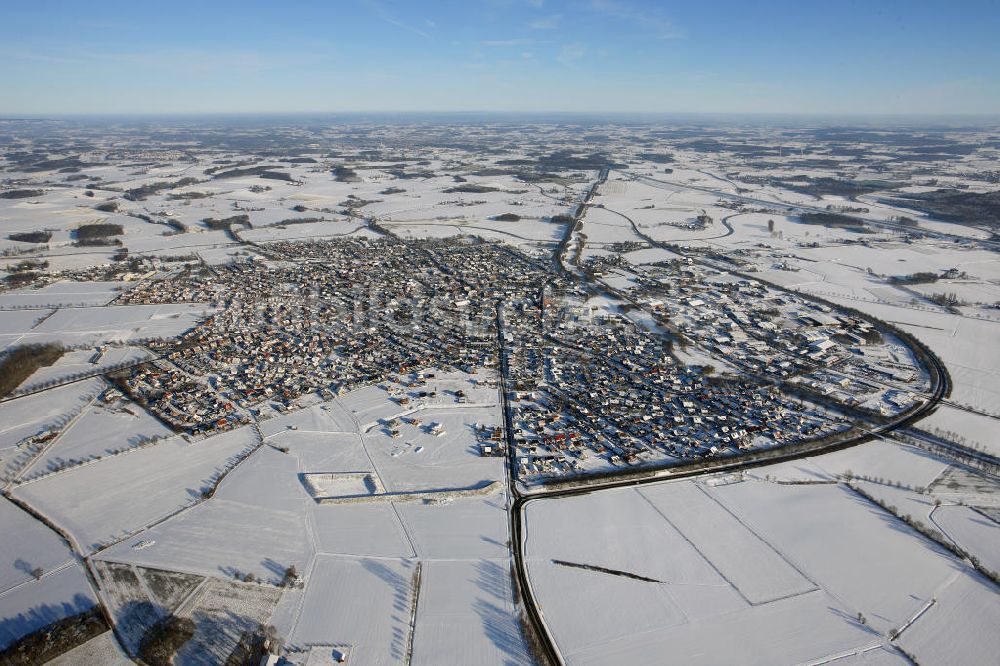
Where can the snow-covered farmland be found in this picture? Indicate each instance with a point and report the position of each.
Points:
(757, 571)
(958, 627)
(787, 567)
(222, 612)
(84, 361)
(36, 546)
(102, 649)
(465, 615)
(972, 530)
(60, 593)
(28, 415)
(116, 496)
(119, 323)
(98, 432)
(64, 293)
(362, 603)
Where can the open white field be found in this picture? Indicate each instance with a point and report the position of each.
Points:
(597, 617)
(786, 568)
(14, 323)
(219, 538)
(604, 226)
(361, 603)
(794, 470)
(524, 233)
(419, 460)
(75, 363)
(976, 429)
(31, 414)
(466, 616)
(102, 650)
(973, 292)
(255, 523)
(621, 530)
(98, 432)
(120, 323)
(427, 198)
(72, 259)
(960, 627)
(469, 527)
(650, 255)
(972, 531)
(749, 563)
(329, 417)
(749, 229)
(58, 594)
(362, 530)
(819, 528)
(320, 452)
(64, 293)
(315, 230)
(368, 404)
(115, 496)
(904, 259)
(35, 545)
(882, 459)
(180, 244)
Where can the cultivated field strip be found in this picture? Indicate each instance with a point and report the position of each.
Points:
(753, 567)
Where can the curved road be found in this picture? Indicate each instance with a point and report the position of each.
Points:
(797, 208)
(940, 381)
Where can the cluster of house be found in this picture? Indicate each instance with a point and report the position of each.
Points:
(599, 391)
(184, 402)
(590, 385)
(780, 336)
(321, 317)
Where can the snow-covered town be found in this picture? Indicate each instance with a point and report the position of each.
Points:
(427, 393)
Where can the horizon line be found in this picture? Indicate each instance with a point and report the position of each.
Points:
(160, 114)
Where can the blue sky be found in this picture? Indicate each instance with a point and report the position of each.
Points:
(803, 56)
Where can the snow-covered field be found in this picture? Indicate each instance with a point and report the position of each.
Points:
(262, 519)
(60, 593)
(74, 363)
(34, 546)
(116, 496)
(782, 569)
(26, 416)
(98, 432)
(364, 603)
(465, 615)
(757, 571)
(64, 293)
(102, 649)
(960, 627)
(784, 564)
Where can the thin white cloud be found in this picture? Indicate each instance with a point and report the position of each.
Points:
(384, 14)
(35, 56)
(508, 42)
(104, 24)
(662, 27)
(546, 23)
(570, 53)
(212, 62)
